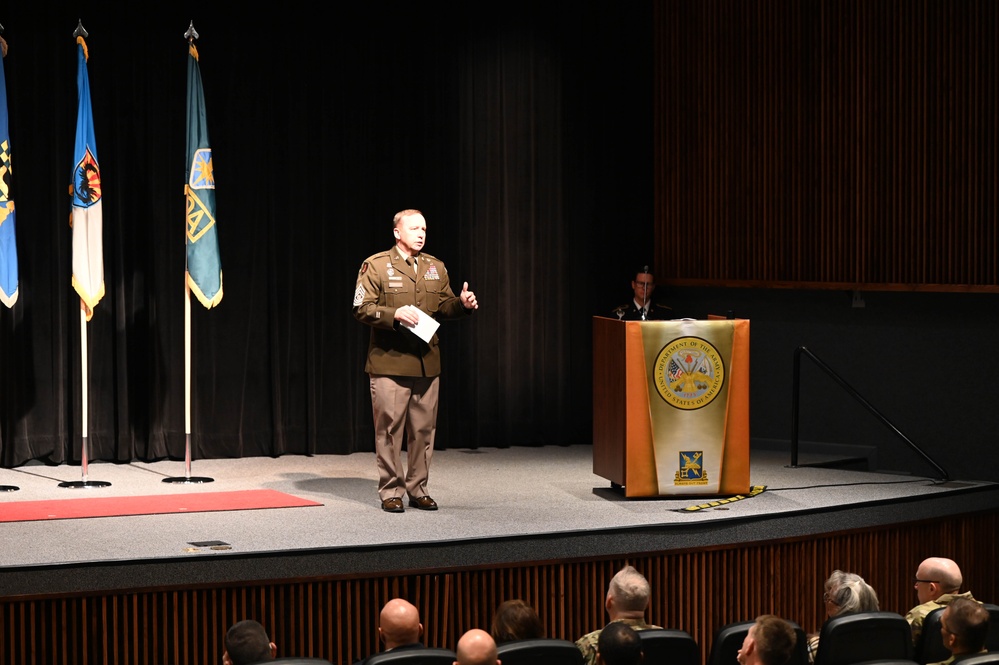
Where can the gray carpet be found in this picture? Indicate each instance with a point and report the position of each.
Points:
(496, 505)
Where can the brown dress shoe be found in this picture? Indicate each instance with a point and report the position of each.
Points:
(423, 503)
(393, 505)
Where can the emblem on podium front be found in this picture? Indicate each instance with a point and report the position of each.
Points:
(691, 471)
(689, 373)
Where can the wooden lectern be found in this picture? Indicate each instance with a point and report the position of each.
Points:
(671, 406)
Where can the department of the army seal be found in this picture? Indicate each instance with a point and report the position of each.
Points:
(689, 373)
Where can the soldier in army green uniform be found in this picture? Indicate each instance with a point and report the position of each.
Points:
(399, 293)
(937, 582)
(626, 601)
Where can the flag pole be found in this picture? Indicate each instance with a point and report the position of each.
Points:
(187, 477)
(85, 132)
(190, 35)
(83, 482)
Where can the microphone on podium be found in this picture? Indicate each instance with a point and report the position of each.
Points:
(645, 294)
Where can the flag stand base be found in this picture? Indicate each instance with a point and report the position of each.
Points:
(189, 480)
(85, 484)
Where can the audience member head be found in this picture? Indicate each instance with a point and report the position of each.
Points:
(399, 623)
(619, 644)
(935, 577)
(246, 642)
(627, 594)
(476, 647)
(516, 620)
(770, 641)
(848, 593)
(964, 625)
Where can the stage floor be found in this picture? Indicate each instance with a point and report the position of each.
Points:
(496, 506)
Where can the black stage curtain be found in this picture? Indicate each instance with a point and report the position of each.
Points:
(501, 122)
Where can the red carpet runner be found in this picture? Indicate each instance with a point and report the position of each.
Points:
(198, 502)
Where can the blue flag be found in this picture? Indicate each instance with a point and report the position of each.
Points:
(8, 246)
(85, 189)
(204, 266)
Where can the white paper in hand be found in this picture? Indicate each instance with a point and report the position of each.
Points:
(425, 327)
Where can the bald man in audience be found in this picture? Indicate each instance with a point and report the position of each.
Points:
(399, 626)
(770, 641)
(938, 583)
(476, 647)
(964, 626)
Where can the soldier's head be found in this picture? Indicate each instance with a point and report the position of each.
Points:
(247, 642)
(619, 644)
(627, 594)
(935, 577)
(964, 625)
(643, 284)
(410, 231)
(769, 641)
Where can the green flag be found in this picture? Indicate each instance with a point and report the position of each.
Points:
(204, 266)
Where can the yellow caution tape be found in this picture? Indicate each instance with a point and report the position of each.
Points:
(753, 491)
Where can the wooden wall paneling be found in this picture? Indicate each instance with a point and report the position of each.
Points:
(697, 591)
(827, 145)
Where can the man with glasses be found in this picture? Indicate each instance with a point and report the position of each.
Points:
(642, 307)
(964, 625)
(938, 583)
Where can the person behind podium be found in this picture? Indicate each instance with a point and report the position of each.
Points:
(643, 306)
(398, 292)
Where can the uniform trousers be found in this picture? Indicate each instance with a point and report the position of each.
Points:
(404, 404)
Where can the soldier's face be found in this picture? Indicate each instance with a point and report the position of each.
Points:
(643, 285)
(411, 233)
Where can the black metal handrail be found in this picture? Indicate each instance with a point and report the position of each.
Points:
(853, 393)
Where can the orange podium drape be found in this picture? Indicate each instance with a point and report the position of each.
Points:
(671, 406)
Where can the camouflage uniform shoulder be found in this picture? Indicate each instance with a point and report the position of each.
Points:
(587, 645)
(917, 614)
